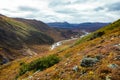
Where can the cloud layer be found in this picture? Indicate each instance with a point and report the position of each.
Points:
(73, 11)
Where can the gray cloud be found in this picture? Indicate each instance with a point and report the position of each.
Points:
(7, 10)
(30, 16)
(74, 11)
(59, 3)
(26, 8)
(55, 3)
(81, 1)
(114, 7)
(67, 11)
(99, 8)
(109, 7)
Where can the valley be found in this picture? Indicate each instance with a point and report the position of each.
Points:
(29, 37)
(59, 40)
(92, 55)
(31, 50)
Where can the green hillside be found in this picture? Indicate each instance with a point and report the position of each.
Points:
(14, 34)
(16, 38)
(103, 31)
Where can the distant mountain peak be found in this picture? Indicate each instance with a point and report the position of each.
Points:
(89, 26)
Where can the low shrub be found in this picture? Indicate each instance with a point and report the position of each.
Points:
(39, 64)
(97, 34)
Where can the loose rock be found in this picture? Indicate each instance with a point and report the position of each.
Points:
(75, 68)
(88, 62)
(113, 66)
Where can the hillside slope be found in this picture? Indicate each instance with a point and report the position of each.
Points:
(94, 57)
(53, 32)
(15, 35)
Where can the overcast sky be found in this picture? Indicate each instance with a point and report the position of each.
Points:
(73, 11)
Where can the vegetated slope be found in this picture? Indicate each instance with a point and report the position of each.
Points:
(31, 64)
(15, 35)
(94, 57)
(103, 31)
(56, 34)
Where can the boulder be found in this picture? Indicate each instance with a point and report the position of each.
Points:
(88, 62)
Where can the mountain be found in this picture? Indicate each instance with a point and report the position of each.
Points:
(54, 33)
(16, 35)
(15, 32)
(91, 26)
(60, 24)
(57, 33)
(88, 26)
(93, 57)
(21, 37)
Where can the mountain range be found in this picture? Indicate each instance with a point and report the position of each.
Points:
(88, 26)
